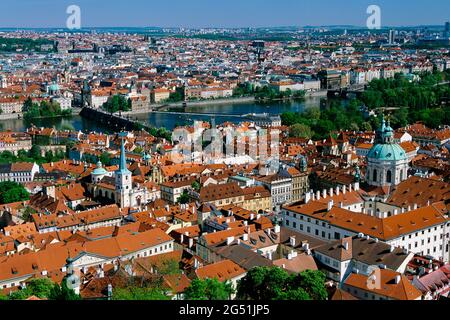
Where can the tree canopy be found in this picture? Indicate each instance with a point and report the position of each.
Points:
(44, 289)
(209, 289)
(117, 103)
(12, 192)
(264, 283)
(137, 293)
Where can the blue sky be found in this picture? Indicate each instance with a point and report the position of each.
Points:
(220, 13)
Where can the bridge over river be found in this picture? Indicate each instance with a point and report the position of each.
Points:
(128, 121)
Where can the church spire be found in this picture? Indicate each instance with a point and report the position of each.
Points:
(123, 162)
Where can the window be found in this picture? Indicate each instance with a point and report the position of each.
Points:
(389, 176)
(375, 174)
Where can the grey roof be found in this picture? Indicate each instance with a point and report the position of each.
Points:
(5, 168)
(243, 256)
(368, 251)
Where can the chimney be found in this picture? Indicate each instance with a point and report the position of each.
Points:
(318, 195)
(181, 238)
(196, 265)
(330, 205)
(245, 237)
(344, 189)
(324, 193)
(230, 240)
(305, 246)
(350, 187)
(276, 229)
(307, 197)
(338, 190)
(191, 243)
(252, 216)
(44, 272)
(356, 186)
(292, 241)
(415, 206)
(331, 192)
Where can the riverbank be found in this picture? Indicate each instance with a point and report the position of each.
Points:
(19, 116)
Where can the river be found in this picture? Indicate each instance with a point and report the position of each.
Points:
(170, 121)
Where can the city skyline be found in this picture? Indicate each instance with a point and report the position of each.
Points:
(229, 14)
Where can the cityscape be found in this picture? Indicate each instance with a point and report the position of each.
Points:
(231, 163)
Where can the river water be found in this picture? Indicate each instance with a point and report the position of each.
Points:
(170, 121)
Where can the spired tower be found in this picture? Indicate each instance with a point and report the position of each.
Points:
(387, 161)
(123, 178)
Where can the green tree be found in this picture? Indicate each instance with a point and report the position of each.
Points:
(35, 152)
(28, 104)
(136, 293)
(49, 156)
(27, 213)
(184, 198)
(196, 186)
(312, 282)
(300, 130)
(366, 127)
(40, 288)
(209, 289)
(105, 159)
(264, 283)
(169, 267)
(313, 113)
(62, 292)
(12, 192)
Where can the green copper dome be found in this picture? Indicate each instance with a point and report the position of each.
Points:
(54, 87)
(99, 170)
(385, 149)
(387, 152)
(147, 157)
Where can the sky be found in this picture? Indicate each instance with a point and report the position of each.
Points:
(220, 13)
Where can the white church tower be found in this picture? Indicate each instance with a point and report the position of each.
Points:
(123, 176)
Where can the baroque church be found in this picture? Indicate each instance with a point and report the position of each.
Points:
(387, 162)
(118, 186)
